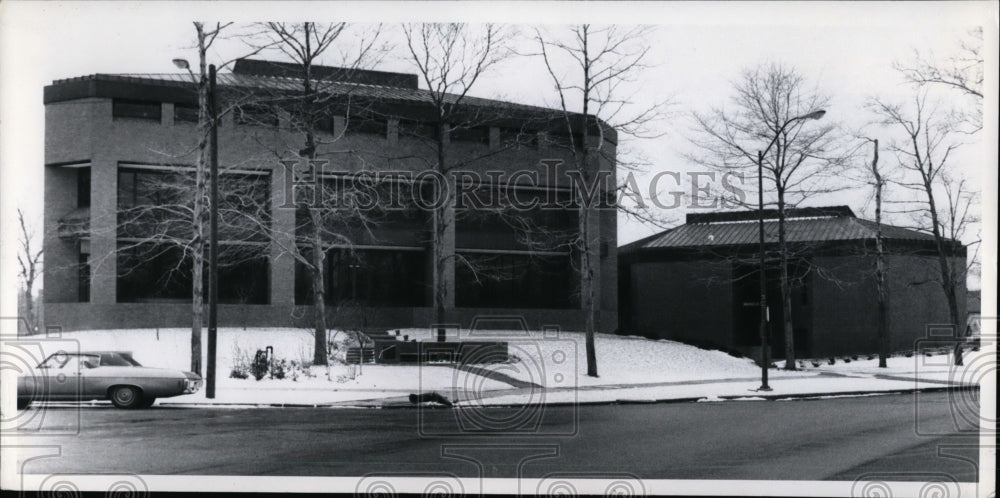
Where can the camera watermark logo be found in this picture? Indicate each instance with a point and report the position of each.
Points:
(585, 483)
(441, 484)
(921, 484)
(35, 371)
(504, 380)
(934, 363)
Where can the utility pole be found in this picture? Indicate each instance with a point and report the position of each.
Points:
(213, 237)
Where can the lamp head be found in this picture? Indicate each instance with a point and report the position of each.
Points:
(815, 114)
(182, 64)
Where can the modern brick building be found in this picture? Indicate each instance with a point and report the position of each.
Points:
(698, 283)
(121, 143)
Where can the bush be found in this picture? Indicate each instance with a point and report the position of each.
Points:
(832, 360)
(278, 369)
(240, 368)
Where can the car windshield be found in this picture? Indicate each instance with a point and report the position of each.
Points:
(118, 360)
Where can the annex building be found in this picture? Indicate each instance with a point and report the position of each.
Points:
(120, 156)
(698, 283)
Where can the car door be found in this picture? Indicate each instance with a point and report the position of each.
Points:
(60, 377)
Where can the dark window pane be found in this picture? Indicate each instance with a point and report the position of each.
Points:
(153, 273)
(374, 277)
(162, 273)
(256, 115)
(185, 113)
(136, 109)
(245, 278)
(417, 129)
(514, 281)
(478, 134)
(514, 137)
(366, 125)
(83, 276)
(83, 187)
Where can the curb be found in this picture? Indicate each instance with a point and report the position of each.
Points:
(694, 399)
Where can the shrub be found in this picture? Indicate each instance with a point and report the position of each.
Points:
(240, 368)
(832, 360)
(278, 369)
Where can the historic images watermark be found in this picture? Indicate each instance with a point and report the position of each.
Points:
(310, 183)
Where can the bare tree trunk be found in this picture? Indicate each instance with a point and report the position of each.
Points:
(786, 288)
(947, 272)
(29, 308)
(443, 216)
(319, 292)
(199, 211)
(587, 296)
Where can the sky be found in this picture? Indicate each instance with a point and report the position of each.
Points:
(697, 50)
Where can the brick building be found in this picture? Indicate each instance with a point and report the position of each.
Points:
(113, 142)
(698, 283)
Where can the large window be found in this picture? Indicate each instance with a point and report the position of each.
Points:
(378, 277)
(502, 280)
(155, 230)
(157, 203)
(162, 273)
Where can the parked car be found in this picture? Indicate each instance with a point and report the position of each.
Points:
(111, 375)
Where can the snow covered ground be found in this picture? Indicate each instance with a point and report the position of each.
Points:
(630, 368)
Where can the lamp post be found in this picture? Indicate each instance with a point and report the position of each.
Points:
(765, 357)
(213, 234)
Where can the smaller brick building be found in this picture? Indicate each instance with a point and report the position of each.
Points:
(698, 283)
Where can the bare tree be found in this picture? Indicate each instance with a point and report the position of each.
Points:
(962, 72)
(770, 105)
(305, 44)
(590, 69)
(199, 212)
(29, 261)
(947, 209)
(450, 59)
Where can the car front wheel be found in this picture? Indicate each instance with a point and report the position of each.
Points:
(126, 397)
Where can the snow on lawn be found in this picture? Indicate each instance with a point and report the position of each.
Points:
(170, 348)
(561, 361)
(938, 366)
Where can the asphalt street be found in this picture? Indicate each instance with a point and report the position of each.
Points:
(907, 437)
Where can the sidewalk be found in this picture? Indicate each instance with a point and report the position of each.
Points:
(820, 384)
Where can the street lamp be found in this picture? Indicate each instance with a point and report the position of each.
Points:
(765, 357)
(213, 231)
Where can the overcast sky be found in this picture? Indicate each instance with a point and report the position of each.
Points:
(698, 49)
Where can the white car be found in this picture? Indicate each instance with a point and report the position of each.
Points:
(111, 375)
